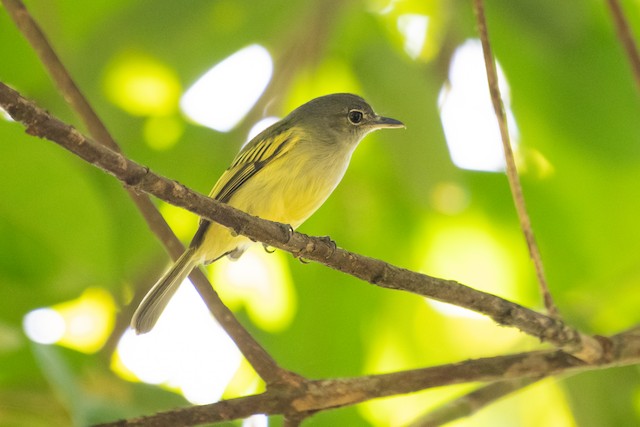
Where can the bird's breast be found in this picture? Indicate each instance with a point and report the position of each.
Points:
(293, 187)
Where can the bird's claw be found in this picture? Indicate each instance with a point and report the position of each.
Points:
(267, 249)
(327, 240)
(311, 247)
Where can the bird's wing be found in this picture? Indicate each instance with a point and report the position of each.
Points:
(256, 155)
(262, 150)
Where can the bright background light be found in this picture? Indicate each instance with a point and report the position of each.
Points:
(83, 324)
(225, 94)
(44, 325)
(413, 27)
(469, 123)
(259, 420)
(187, 350)
(261, 283)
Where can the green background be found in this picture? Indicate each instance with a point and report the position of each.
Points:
(65, 226)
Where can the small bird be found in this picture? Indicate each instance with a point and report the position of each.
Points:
(283, 174)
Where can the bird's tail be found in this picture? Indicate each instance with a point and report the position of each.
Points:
(158, 297)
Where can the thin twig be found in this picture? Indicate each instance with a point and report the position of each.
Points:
(626, 38)
(40, 123)
(471, 403)
(512, 172)
(261, 361)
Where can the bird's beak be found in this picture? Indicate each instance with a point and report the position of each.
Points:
(380, 122)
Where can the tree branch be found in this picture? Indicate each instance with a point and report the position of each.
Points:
(289, 394)
(41, 124)
(261, 361)
(471, 403)
(512, 171)
(626, 38)
(317, 395)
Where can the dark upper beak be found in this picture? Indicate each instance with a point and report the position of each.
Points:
(380, 122)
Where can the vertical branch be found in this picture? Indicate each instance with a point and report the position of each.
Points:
(512, 172)
(261, 361)
(626, 38)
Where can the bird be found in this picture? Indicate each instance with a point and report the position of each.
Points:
(284, 174)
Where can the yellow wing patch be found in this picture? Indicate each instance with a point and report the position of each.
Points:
(256, 155)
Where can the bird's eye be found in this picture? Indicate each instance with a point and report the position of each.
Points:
(355, 116)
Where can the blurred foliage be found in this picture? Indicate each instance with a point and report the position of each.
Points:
(66, 227)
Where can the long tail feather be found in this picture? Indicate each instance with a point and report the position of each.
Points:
(158, 297)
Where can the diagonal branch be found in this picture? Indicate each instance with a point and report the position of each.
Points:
(626, 38)
(261, 361)
(41, 124)
(512, 172)
(470, 403)
(318, 395)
